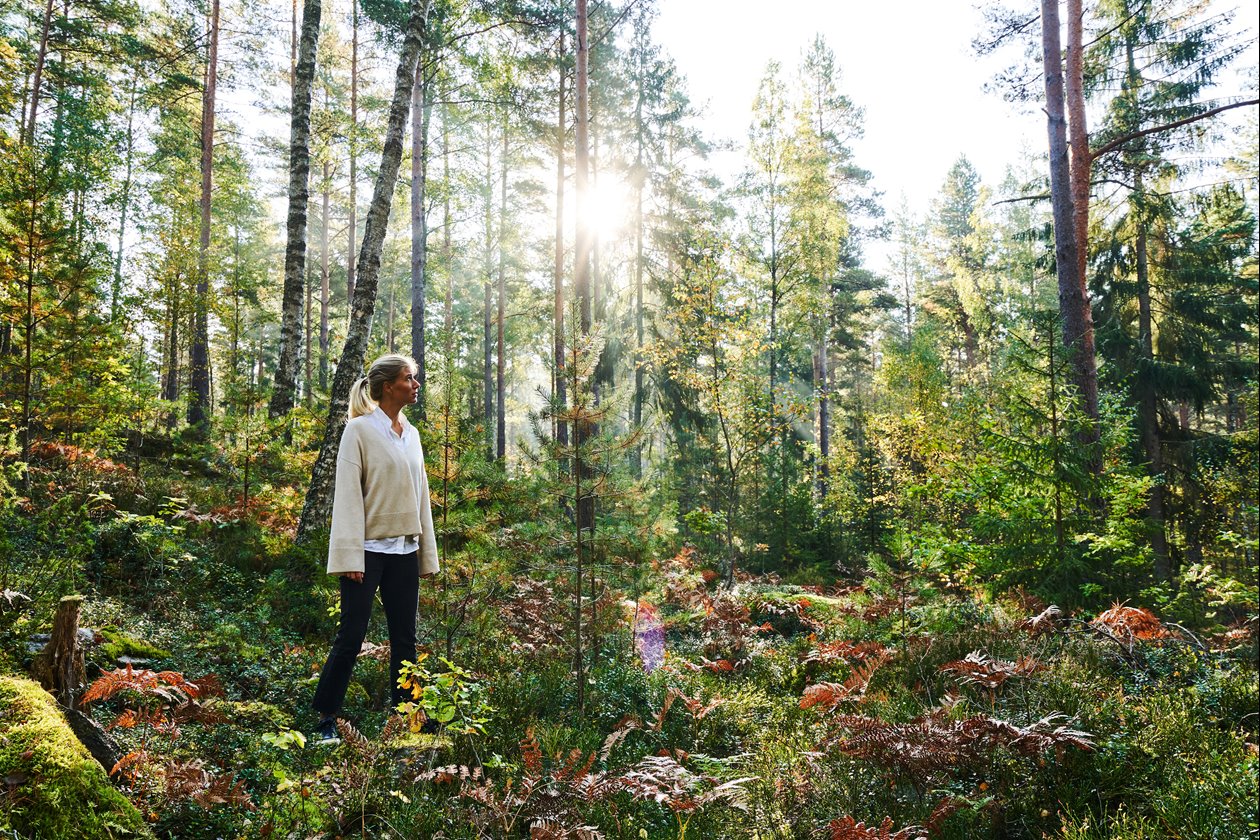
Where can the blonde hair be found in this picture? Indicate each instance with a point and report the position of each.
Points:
(366, 392)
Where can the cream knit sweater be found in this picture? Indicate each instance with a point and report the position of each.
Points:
(381, 491)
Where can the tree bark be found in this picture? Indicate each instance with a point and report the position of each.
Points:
(28, 133)
(448, 303)
(308, 331)
(822, 384)
(282, 397)
(640, 181)
(199, 348)
(558, 342)
(1148, 406)
(60, 666)
(353, 143)
(1081, 340)
(500, 387)
(318, 504)
(419, 222)
(1072, 301)
(324, 278)
(115, 295)
(584, 429)
(487, 307)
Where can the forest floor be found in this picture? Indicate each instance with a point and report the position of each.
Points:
(899, 705)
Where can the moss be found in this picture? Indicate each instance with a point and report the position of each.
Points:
(254, 714)
(118, 644)
(57, 788)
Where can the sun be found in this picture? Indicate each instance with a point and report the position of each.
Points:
(607, 211)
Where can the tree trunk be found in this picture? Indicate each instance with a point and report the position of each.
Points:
(199, 348)
(448, 303)
(40, 58)
(115, 296)
(308, 332)
(60, 666)
(353, 143)
(324, 279)
(170, 346)
(500, 389)
(28, 337)
(389, 322)
(640, 180)
(419, 222)
(561, 427)
(318, 503)
(1084, 362)
(822, 383)
(584, 429)
(487, 287)
(282, 397)
(1148, 406)
(1078, 333)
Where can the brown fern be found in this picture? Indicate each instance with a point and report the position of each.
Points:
(663, 780)
(978, 668)
(1129, 624)
(847, 828)
(168, 686)
(934, 744)
(534, 617)
(1044, 622)
(842, 651)
(830, 694)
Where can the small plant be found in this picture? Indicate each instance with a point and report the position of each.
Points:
(664, 780)
(453, 698)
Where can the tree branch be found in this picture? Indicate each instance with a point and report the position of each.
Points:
(1120, 141)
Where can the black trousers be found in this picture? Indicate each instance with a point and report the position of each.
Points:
(397, 576)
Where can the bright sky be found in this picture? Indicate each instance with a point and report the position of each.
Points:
(908, 63)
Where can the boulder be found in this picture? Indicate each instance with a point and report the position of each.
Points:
(52, 786)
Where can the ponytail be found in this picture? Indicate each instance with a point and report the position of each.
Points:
(361, 401)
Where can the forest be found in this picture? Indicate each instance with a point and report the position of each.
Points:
(766, 505)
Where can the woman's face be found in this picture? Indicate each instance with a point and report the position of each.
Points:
(404, 389)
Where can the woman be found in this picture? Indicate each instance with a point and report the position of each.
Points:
(382, 529)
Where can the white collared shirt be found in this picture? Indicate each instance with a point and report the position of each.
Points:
(402, 544)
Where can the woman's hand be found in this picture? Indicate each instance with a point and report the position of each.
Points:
(356, 577)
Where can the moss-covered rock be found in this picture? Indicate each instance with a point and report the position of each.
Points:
(55, 788)
(116, 644)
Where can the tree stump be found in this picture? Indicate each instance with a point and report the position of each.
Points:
(59, 667)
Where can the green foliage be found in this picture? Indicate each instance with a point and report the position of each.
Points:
(451, 697)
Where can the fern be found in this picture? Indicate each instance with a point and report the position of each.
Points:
(169, 686)
(830, 694)
(977, 668)
(934, 744)
(829, 652)
(847, 828)
(1130, 624)
(1044, 622)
